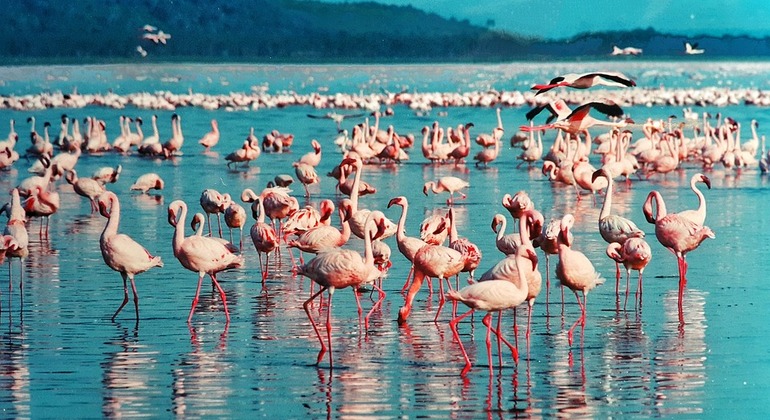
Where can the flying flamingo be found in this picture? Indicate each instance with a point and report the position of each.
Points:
(587, 80)
(579, 120)
(264, 237)
(635, 254)
(612, 227)
(120, 252)
(337, 269)
(677, 233)
(450, 184)
(211, 138)
(200, 254)
(407, 245)
(575, 271)
(492, 296)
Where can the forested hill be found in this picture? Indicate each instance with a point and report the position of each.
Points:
(294, 31)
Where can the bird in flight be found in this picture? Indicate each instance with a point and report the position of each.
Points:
(587, 80)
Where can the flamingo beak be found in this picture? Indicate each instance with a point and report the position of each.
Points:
(103, 209)
(425, 190)
(532, 257)
(706, 181)
(171, 217)
(393, 201)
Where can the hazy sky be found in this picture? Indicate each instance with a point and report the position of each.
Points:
(564, 18)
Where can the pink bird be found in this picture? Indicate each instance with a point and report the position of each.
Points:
(520, 205)
(450, 184)
(211, 138)
(634, 254)
(433, 261)
(306, 174)
(434, 229)
(359, 215)
(213, 202)
(16, 228)
(575, 271)
(324, 237)
(407, 245)
(85, 187)
(304, 219)
(146, 182)
(470, 251)
(120, 252)
(312, 158)
(337, 269)
(579, 120)
(507, 244)
(200, 254)
(264, 238)
(235, 218)
(277, 202)
(677, 233)
(198, 224)
(698, 215)
(492, 296)
(42, 203)
(587, 80)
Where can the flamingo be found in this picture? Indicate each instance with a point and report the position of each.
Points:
(148, 181)
(16, 228)
(434, 229)
(42, 203)
(107, 174)
(245, 154)
(198, 224)
(470, 251)
(235, 218)
(492, 296)
(358, 216)
(635, 254)
(214, 202)
(579, 120)
(407, 245)
(586, 80)
(698, 215)
(306, 174)
(325, 237)
(85, 187)
(612, 227)
(120, 252)
(211, 138)
(276, 201)
(677, 233)
(450, 184)
(200, 254)
(264, 238)
(312, 158)
(575, 271)
(507, 244)
(338, 269)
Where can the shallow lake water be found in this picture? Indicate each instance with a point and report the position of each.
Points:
(61, 356)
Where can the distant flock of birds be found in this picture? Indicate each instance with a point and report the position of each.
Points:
(513, 280)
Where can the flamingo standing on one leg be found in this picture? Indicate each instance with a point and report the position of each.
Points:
(492, 296)
(575, 271)
(450, 184)
(120, 252)
(635, 254)
(677, 233)
(337, 269)
(200, 254)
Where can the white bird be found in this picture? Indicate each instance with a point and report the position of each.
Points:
(692, 49)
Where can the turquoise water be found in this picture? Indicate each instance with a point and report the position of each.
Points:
(60, 356)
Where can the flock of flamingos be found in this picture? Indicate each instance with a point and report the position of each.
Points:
(515, 280)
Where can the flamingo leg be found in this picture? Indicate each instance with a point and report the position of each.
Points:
(682, 284)
(486, 321)
(315, 327)
(580, 320)
(208, 221)
(329, 324)
(628, 286)
(195, 299)
(219, 224)
(617, 278)
(221, 295)
(376, 305)
(529, 317)
(408, 276)
(441, 298)
(136, 296)
(639, 288)
(403, 313)
(453, 326)
(125, 296)
(358, 304)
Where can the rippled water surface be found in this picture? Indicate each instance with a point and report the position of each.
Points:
(61, 356)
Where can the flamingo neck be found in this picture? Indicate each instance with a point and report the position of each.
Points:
(111, 228)
(607, 205)
(501, 232)
(401, 229)
(701, 212)
(356, 184)
(179, 230)
(345, 230)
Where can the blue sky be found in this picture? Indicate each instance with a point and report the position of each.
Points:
(565, 18)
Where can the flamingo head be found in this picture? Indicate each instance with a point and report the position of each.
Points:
(529, 253)
(196, 221)
(397, 201)
(346, 209)
(316, 146)
(172, 211)
(566, 224)
(705, 180)
(326, 209)
(613, 251)
(159, 184)
(497, 220)
(426, 187)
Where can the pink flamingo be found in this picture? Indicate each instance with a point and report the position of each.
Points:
(635, 254)
(148, 181)
(433, 261)
(358, 215)
(200, 254)
(16, 228)
(407, 245)
(264, 238)
(698, 215)
(434, 229)
(42, 203)
(312, 158)
(338, 269)
(120, 252)
(679, 234)
(492, 296)
(211, 138)
(575, 271)
(507, 244)
(450, 184)
(586, 80)
(612, 227)
(325, 237)
(470, 251)
(213, 202)
(85, 187)
(306, 174)
(579, 120)
(235, 218)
